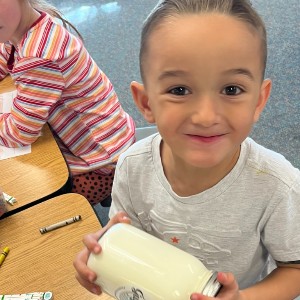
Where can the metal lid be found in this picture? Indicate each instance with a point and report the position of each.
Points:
(212, 287)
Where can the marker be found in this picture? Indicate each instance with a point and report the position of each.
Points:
(3, 255)
(60, 224)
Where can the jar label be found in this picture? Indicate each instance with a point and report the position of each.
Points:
(130, 293)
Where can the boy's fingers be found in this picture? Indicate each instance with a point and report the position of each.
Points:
(229, 284)
(228, 281)
(120, 217)
(91, 241)
(197, 297)
(80, 264)
(226, 278)
(90, 286)
(85, 276)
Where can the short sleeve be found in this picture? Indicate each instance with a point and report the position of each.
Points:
(121, 200)
(281, 234)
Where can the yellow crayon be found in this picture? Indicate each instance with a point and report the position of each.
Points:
(3, 255)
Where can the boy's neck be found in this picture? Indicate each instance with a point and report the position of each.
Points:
(187, 181)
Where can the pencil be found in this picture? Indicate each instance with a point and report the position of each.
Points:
(60, 224)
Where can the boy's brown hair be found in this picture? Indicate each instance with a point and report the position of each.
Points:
(240, 9)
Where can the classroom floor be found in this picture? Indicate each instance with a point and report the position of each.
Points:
(111, 31)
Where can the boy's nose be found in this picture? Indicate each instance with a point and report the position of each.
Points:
(204, 112)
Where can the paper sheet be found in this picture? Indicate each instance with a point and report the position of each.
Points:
(6, 152)
(6, 100)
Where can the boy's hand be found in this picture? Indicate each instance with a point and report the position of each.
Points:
(229, 290)
(85, 276)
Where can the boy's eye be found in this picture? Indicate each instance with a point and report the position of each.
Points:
(179, 91)
(232, 90)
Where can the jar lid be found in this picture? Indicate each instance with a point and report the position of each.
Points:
(212, 287)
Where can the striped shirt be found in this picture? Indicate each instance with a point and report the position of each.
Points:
(58, 82)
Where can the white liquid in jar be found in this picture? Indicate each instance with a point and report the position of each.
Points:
(136, 265)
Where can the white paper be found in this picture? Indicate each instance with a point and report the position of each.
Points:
(6, 152)
(6, 100)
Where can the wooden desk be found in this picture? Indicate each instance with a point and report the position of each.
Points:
(7, 85)
(35, 176)
(44, 262)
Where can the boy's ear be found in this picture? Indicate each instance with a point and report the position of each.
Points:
(264, 95)
(141, 100)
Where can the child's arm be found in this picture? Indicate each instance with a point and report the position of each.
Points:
(85, 276)
(38, 90)
(281, 284)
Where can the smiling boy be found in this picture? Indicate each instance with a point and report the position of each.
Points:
(202, 184)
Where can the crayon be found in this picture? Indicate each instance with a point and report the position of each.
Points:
(60, 224)
(3, 255)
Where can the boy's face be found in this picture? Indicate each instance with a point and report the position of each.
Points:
(203, 87)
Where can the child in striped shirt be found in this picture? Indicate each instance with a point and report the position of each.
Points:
(58, 82)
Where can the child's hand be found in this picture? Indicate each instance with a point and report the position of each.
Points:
(229, 290)
(85, 276)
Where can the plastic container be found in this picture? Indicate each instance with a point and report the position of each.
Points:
(136, 265)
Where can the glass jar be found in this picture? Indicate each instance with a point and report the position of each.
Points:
(136, 265)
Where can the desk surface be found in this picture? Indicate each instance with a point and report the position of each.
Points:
(7, 85)
(33, 176)
(44, 262)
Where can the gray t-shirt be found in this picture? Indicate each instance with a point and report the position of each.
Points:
(240, 225)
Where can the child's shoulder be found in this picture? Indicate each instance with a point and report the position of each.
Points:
(267, 161)
(141, 148)
(53, 39)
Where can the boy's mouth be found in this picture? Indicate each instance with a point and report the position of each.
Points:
(206, 138)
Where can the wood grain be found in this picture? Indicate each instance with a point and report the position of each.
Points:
(36, 175)
(44, 262)
(7, 85)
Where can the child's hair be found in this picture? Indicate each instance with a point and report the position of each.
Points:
(42, 5)
(240, 9)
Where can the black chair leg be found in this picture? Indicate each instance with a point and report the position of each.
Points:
(106, 202)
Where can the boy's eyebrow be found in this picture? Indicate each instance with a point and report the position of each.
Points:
(240, 71)
(171, 73)
(178, 73)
